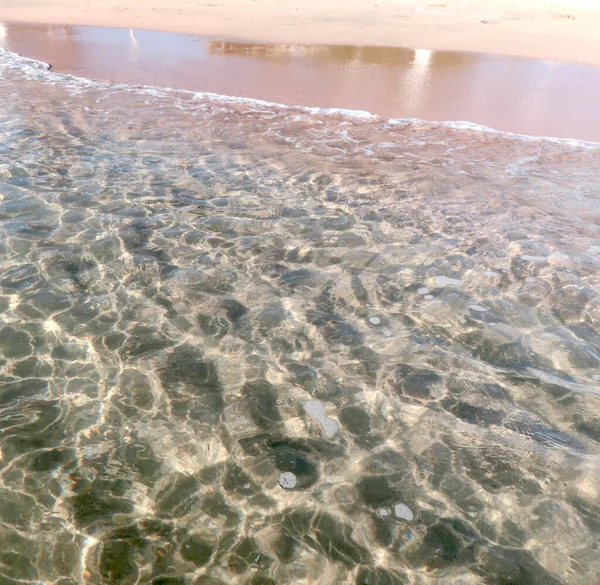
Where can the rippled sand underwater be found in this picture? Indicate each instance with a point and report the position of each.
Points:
(242, 343)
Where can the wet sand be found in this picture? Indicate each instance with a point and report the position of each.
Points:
(561, 29)
(528, 96)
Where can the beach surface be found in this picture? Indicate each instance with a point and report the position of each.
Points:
(557, 30)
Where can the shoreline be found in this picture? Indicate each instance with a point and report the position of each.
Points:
(563, 31)
(507, 94)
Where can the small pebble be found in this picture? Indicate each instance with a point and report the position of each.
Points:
(462, 321)
(423, 291)
(403, 512)
(387, 333)
(374, 320)
(285, 400)
(428, 297)
(491, 273)
(596, 377)
(287, 480)
(530, 279)
(383, 512)
(478, 308)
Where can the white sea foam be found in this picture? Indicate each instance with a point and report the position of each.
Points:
(403, 512)
(529, 258)
(33, 68)
(443, 281)
(287, 480)
(316, 410)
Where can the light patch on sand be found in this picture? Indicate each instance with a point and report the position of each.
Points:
(14, 302)
(51, 326)
(559, 259)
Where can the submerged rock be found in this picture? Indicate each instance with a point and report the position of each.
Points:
(325, 534)
(261, 402)
(192, 385)
(356, 420)
(415, 382)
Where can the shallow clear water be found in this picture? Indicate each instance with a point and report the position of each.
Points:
(242, 343)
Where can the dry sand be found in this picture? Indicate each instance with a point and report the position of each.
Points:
(560, 30)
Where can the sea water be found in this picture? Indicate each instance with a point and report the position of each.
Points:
(248, 343)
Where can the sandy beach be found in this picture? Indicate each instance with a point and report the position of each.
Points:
(558, 30)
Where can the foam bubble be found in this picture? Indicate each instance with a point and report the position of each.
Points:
(529, 258)
(287, 480)
(442, 281)
(316, 410)
(403, 512)
(383, 512)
